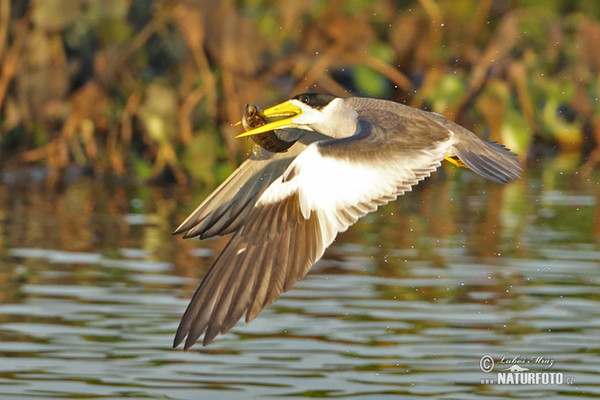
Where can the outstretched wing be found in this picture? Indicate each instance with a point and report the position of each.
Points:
(227, 207)
(323, 191)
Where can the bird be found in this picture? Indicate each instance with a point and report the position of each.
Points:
(284, 208)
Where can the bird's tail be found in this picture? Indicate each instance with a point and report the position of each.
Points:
(489, 159)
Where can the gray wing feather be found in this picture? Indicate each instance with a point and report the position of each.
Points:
(225, 210)
(260, 262)
(488, 159)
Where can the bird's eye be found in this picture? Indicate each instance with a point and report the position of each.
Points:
(305, 99)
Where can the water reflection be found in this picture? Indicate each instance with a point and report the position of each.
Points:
(405, 303)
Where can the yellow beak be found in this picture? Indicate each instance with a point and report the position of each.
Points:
(282, 113)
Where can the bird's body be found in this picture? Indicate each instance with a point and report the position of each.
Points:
(284, 209)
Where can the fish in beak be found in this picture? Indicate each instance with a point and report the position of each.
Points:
(281, 117)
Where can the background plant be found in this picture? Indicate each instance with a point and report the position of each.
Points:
(150, 88)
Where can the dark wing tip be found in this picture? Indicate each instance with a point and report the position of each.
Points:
(178, 231)
(179, 336)
(275, 249)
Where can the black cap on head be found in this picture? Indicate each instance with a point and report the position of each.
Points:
(315, 100)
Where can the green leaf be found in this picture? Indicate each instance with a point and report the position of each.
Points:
(142, 168)
(370, 82)
(448, 91)
(200, 157)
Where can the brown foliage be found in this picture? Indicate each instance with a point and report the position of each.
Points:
(124, 88)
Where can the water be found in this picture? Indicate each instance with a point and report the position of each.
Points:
(405, 304)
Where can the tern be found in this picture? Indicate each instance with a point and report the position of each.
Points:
(284, 209)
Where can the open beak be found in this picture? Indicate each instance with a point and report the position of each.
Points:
(281, 113)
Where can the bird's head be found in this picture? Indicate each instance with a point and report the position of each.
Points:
(310, 111)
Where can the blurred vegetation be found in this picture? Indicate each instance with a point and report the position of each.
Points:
(150, 88)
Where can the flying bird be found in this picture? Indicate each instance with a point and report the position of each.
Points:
(285, 207)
